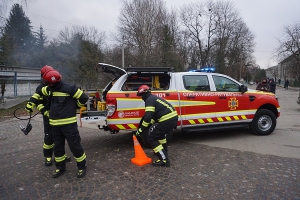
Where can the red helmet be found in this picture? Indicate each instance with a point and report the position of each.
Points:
(52, 76)
(45, 69)
(142, 90)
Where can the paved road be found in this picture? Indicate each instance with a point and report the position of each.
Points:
(217, 165)
(284, 141)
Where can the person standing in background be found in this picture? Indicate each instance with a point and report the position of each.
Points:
(286, 84)
(272, 85)
(263, 85)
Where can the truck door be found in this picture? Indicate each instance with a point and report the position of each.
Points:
(197, 104)
(232, 105)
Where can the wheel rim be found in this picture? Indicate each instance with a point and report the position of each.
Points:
(264, 123)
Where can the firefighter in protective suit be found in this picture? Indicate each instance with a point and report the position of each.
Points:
(44, 105)
(65, 99)
(164, 118)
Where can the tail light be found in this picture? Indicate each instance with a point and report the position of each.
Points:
(111, 106)
(110, 109)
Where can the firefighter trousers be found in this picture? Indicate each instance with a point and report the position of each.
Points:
(157, 137)
(70, 133)
(48, 141)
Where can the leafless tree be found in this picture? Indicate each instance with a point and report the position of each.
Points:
(234, 41)
(88, 33)
(289, 50)
(139, 28)
(219, 34)
(197, 19)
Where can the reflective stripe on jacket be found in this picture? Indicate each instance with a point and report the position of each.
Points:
(157, 110)
(64, 102)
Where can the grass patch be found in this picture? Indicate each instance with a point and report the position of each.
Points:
(9, 113)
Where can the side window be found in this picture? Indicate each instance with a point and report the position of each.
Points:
(154, 81)
(196, 83)
(225, 84)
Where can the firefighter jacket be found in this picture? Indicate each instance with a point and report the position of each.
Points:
(44, 102)
(157, 110)
(65, 99)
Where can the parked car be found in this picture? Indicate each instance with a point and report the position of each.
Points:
(204, 101)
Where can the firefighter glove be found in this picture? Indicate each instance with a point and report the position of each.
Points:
(29, 107)
(46, 113)
(138, 132)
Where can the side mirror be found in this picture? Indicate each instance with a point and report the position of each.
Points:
(243, 89)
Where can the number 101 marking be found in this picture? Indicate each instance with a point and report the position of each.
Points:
(162, 95)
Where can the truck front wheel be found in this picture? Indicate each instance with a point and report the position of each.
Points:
(264, 122)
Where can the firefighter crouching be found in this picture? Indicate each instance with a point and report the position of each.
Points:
(65, 99)
(164, 118)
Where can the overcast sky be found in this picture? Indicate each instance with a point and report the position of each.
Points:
(265, 18)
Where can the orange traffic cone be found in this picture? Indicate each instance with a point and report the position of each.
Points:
(140, 158)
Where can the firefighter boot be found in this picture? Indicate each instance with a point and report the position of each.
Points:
(58, 173)
(48, 161)
(81, 169)
(60, 169)
(48, 152)
(81, 172)
(163, 160)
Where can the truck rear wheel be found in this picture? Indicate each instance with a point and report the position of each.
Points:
(264, 122)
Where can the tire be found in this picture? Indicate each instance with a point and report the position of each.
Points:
(264, 122)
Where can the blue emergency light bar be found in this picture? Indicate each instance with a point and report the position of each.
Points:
(205, 69)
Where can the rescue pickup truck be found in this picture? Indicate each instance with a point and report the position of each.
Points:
(203, 101)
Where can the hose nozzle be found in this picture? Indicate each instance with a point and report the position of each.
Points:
(27, 129)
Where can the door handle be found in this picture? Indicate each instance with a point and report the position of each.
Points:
(190, 97)
(222, 97)
(252, 98)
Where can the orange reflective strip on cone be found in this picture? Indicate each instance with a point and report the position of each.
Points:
(140, 157)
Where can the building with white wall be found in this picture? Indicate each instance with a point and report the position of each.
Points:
(18, 81)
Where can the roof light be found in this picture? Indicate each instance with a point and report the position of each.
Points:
(204, 69)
